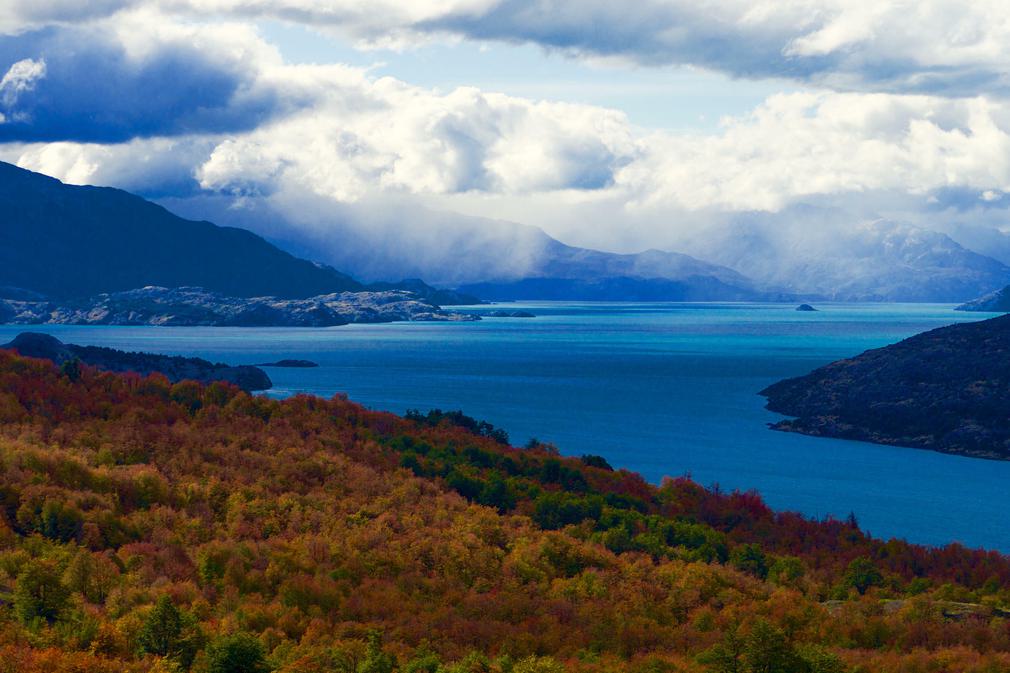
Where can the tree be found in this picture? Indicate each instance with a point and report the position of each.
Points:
(768, 651)
(39, 593)
(236, 653)
(162, 629)
(71, 369)
(862, 574)
(725, 656)
(376, 660)
(750, 559)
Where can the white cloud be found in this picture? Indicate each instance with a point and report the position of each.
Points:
(340, 133)
(19, 78)
(947, 47)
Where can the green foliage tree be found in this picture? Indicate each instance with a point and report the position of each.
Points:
(236, 653)
(162, 629)
(376, 660)
(726, 656)
(39, 593)
(768, 651)
(71, 369)
(786, 570)
(750, 559)
(862, 574)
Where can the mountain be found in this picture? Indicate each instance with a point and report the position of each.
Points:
(174, 368)
(947, 390)
(492, 259)
(68, 241)
(993, 302)
(822, 253)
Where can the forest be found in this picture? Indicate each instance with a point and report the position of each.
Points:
(150, 526)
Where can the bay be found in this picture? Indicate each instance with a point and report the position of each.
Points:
(661, 389)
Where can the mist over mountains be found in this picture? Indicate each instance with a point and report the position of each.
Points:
(68, 241)
(800, 252)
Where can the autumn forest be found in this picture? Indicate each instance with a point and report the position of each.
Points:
(146, 526)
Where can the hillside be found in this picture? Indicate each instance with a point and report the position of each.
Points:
(819, 252)
(66, 241)
(995, 302)
(947, 390)
(174, 368)
(147, 526)
(492, 259)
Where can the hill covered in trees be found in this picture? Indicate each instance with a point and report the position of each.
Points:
(947, 389)
(151, 526)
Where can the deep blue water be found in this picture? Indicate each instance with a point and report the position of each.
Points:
(663, 389)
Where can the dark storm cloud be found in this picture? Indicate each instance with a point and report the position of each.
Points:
(93, 91)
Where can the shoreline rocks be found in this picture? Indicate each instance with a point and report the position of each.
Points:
(193, 306)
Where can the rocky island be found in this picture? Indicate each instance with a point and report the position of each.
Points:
(947, 390)
(193, 306)
(175, 368)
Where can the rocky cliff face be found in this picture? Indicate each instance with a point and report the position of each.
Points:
(37, 345)
(190, 306)
(946, 390)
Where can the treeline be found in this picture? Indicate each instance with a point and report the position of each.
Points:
(150, 526)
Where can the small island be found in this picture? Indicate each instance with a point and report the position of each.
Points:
(509, 314)
(290, 364)
(806, 307)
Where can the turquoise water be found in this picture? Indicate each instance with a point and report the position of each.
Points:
(663, 389)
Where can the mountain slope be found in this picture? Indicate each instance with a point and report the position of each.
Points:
(493, 259)
(995, 302)
(69, 241)
(156, 527)
(947, 390)
(820, 252)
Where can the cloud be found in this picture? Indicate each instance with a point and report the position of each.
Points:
(941, 47)
(172, 108)
(20, 78)
(134, 77)
(365, 135)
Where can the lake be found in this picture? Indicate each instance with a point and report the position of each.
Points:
(662, 389)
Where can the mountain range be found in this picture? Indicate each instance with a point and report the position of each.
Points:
(804, 252)
(63, 242)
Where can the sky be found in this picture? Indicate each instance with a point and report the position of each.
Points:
(616, 125)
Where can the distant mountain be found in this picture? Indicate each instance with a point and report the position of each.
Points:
(492, 259)
(995, 302)
(947, 390)
(67, 241)
(822, 253)
(691, 288)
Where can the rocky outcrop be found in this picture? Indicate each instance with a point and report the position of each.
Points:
(191, 306)
(994, 302)
(947, 390)
(175, 368)
(806, 308)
